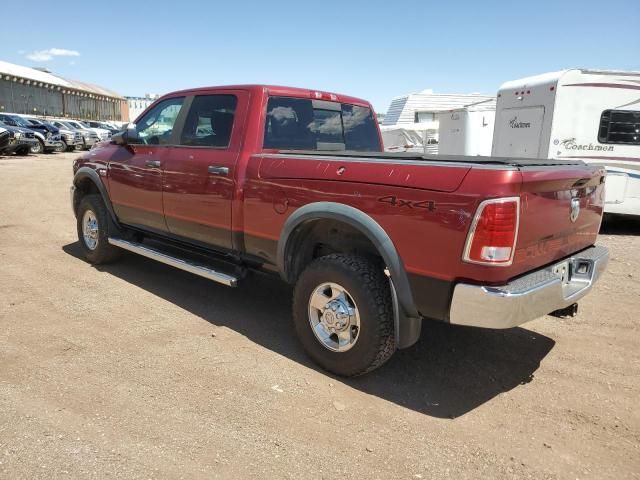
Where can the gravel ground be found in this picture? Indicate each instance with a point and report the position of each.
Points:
(137, 370)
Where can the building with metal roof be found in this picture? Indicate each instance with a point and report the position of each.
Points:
(40, 92)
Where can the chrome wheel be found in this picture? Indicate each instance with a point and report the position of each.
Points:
(334, 317)
(90, 229)
(37, 148)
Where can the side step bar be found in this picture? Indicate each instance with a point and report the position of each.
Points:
(185, 265)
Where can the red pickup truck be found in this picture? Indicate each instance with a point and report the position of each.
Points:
(222, 181)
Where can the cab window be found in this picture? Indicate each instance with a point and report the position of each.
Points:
(304, 124)
(209, 122)
(156, 126)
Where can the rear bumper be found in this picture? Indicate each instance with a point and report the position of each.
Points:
(530, 296)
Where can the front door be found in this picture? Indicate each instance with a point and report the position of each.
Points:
(200, 170)
(135, 171)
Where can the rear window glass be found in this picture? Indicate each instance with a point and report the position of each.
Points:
(305, 124)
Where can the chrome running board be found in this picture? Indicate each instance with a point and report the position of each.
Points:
(185, 265)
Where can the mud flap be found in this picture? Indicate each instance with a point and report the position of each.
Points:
(406, 329)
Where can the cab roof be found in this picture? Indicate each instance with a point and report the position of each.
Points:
(275, 90)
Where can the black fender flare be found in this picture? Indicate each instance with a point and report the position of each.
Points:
(407, 316)
(93, 176)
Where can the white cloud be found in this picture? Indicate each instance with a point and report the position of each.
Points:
(46, 55)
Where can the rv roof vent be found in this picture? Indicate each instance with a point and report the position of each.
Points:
(620, 127)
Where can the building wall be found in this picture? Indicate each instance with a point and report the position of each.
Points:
(137, 105)
(26, 96)
(403, 110)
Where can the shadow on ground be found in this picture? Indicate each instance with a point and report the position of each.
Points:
(620, 225)
(449, 372)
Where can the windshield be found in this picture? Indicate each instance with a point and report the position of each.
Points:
(20, 121)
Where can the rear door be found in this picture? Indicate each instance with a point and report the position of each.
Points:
(200, 170)
(135, 171)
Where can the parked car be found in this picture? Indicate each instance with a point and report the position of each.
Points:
(294, 182)
(5, 137)
(103, 133)
(89, 136)
(102, 125)
(48, 136)
(69, 140)
(21, 140)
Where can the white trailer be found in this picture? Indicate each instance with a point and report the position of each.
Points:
(409, 138)
(468, 130)
(588, 114)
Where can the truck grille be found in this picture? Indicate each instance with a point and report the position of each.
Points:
(620, 127)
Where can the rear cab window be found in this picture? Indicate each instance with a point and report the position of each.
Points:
(307, 124)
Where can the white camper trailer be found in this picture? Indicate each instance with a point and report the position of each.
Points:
(467, 130)
(409, 138)
(587, 114)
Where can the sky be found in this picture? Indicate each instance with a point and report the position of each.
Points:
(371, 49)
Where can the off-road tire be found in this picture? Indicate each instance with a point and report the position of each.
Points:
(63, 148)
(103, 252)
(369, 287)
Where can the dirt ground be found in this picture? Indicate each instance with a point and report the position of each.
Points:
(137, 370)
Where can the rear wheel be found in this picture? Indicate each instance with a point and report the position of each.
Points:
(343, 314)
(94, 226)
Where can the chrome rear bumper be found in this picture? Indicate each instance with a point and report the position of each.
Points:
(530, 296)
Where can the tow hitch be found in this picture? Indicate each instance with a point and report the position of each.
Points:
(566, 312)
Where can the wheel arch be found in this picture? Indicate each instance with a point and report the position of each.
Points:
(87, 181)
(359, 221)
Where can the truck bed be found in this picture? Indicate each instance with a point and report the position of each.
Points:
(409, 156)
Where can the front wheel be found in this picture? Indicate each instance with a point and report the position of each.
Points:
(93, 230)
(62, 147)
(37, 148)
(343, 314)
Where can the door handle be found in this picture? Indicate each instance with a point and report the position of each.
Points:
(217, 170)
(152, 163)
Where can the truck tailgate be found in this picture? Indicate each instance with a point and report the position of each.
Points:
(561, 211)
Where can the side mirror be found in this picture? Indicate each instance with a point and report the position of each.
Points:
(127, 136)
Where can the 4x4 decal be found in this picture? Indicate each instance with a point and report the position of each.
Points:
(398, 202)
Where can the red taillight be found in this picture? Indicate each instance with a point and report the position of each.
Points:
(493, 233)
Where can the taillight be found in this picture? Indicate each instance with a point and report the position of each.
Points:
(494, 231)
